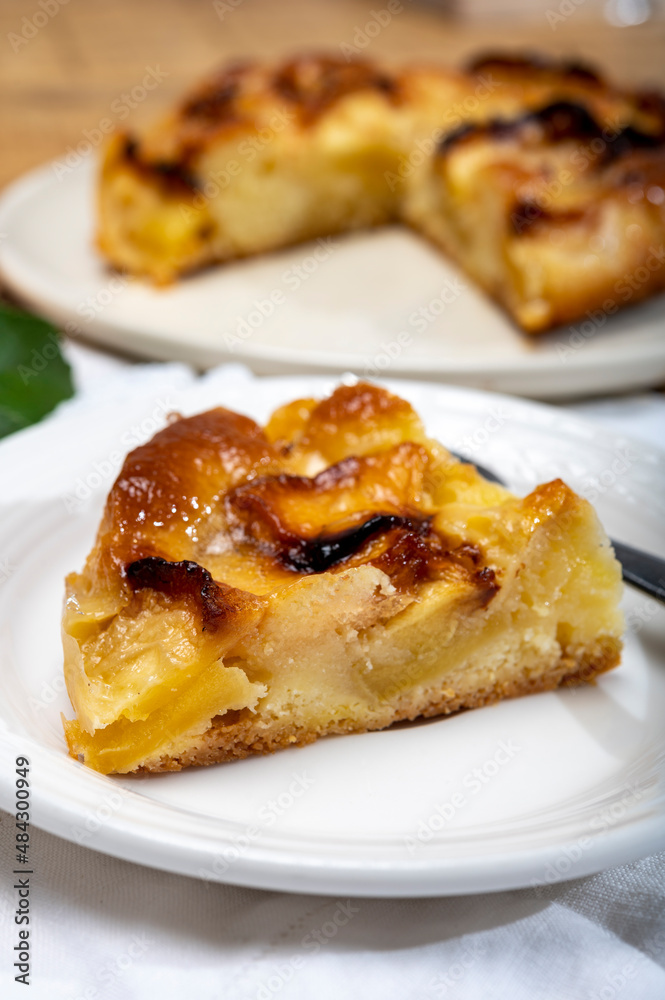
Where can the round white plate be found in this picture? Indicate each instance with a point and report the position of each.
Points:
(377, 303)
(525, 792)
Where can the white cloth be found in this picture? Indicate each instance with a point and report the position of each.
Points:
(104, 928)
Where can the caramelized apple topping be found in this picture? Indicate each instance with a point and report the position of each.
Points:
(188, 581)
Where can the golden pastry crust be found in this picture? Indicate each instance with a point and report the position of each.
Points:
(336, 571)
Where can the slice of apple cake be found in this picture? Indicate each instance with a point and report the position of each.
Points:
(336, 571)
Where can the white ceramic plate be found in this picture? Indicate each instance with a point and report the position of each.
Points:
(525, 792)
(351, 304)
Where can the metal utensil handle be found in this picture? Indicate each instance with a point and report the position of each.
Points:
(642, 569)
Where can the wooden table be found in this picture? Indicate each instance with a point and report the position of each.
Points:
(66, 68)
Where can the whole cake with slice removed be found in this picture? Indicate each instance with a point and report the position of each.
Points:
(253, 588)
(542, 181)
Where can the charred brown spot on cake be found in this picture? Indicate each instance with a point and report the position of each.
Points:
(270, 508)
(530, 217)
(652, 103)
(563, 120)
(632, 143)
(559, 122)
(411, 558)
(330, 549)
(310, 525)
(404, 546)
(173, 177)
(498, 130)
(314, 83)
(216, 100)
(184, 581)
(529, 65)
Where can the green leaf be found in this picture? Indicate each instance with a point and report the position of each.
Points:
(34, 376)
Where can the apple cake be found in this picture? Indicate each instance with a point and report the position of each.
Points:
(253, 588)
(262, 156)
(552, 213)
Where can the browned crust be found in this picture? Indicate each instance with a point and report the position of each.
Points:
(313, 83)
(172, 177)
(304, 88)
(224, 742)
(530, 65)
(566, 76)
(559, 121)
(310, 84)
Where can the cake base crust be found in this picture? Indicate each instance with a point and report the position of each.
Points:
(225, 741)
